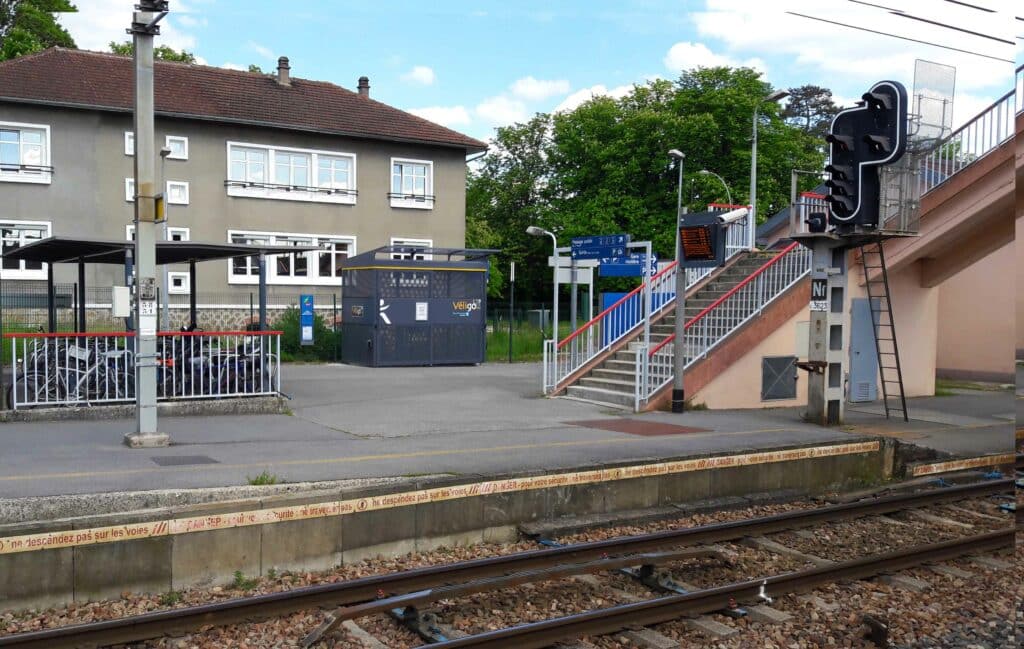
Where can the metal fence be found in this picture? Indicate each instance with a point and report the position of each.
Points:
(970, 142)
(654, 368)
(625, 317)
(76, 369)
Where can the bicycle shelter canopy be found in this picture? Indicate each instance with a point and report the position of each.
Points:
(82, 251)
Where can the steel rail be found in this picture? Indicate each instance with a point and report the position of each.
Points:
(664, 609)
(244, 609)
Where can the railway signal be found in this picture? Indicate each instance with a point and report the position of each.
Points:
(861, 140)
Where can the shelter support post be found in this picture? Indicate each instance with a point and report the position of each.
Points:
(263, 291)
(193, 319)
(81, 328)
(51, 307)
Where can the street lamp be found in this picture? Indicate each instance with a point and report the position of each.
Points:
(679, 329)
(535, 231)
(752, 222)
(728, 194)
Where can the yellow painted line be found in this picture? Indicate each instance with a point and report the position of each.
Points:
(962, 464)
(173, 526)
(350, 459)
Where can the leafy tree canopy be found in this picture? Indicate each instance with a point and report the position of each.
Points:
(28, 26)
(160, 53)
(811, 108)
(604, 168)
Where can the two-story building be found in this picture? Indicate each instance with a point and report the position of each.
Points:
(246, 158)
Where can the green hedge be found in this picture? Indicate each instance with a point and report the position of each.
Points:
(326, 342)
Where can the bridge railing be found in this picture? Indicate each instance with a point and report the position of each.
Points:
(706, 330)
(625, 316)
(972, 141)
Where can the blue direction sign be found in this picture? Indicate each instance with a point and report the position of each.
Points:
(631, 266)
(305, 319)
(606, 246)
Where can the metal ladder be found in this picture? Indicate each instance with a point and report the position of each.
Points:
(872, 258)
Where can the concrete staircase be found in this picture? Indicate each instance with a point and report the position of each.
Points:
(611, 381)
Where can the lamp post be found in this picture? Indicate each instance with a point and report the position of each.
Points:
(679, 329)
(752, 222)
(535, 231)
(728, 194)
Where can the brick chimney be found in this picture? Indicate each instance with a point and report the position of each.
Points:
(283, 68)
(364, 86)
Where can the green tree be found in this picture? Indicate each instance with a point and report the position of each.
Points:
(28, 26)
(811, 108)
(603, 168)
(161, 53)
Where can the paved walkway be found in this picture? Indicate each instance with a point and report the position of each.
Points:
(354, 422)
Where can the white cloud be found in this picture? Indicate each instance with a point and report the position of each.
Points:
(586, 94)
(262, 50)
(444, 115)
(190, 21)
(830, 55)
(420, 74)
(94, 26)
(531, 89)
(201, 61)
(686, 55)
(502, 111)
(233, 66)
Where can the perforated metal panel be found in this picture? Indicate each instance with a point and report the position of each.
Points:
(778, 378)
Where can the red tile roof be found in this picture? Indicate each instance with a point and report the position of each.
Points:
(106, 82)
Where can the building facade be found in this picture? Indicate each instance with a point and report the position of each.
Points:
(247, 158)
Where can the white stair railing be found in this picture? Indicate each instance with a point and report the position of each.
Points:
(625, 317)
(654, 368)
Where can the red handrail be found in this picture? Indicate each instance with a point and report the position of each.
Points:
(768, 264)
(131, 334)
(617, 303)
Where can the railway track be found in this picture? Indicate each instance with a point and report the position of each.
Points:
(407, 589)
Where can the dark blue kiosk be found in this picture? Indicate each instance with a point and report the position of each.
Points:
(414, 306)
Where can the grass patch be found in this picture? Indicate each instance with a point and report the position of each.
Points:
(170, 598)
(527, 342)
(242, 582)
(263, 478)
(948, 386)
(696, 406)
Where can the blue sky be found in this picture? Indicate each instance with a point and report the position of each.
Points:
(476, 65)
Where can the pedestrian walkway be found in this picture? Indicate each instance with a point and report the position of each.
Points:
(357, 422)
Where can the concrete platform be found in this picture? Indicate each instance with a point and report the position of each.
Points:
(351, 422)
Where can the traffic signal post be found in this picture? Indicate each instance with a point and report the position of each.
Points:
(861, 141)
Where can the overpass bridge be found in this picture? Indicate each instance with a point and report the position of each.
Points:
(746, 316)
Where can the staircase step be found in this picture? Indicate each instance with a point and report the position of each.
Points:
(614, 373)
(617, 385)
(611, 397)
(619, 366)
(627, 355)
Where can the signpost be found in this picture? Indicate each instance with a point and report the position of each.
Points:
(609, 246)
(305, 320)
(631, 266)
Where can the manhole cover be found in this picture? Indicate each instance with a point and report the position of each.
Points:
(183, 460)
(638, 427)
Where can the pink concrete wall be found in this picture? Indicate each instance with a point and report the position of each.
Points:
(976, 332)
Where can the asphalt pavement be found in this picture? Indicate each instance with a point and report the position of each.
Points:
(356, 422)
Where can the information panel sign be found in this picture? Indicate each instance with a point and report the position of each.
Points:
(305, 319)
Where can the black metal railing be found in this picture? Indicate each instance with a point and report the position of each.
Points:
(246, 184)
(419, 198)
(32, 169)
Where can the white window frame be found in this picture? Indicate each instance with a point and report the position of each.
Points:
(21, 272)
(167, 192)
(313, 260)
(186, 235)
(129, 143)
(21, 175)
(186, 284)
(425, 203)
(406, 241)
(129, 190)
(238, 189)
(184, 140)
